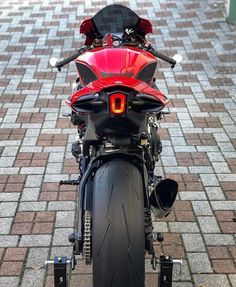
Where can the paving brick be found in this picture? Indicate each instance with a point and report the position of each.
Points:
(7, 209)
(208, 224)
(30, 194)
(211, 280)
(33, 278)
(215, 193)
(193, 243)
(32, 206)
(64, 219)
(21, 228)
(199, 263)
(35, 240)
(11, 268)
(60, 236)
(219, 239)
(183, 227)
(37, 257)
(15, 254)
(9, 281)
(224, 266)
(201, 208)
(5, 225)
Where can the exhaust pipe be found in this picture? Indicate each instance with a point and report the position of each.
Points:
(163, 197)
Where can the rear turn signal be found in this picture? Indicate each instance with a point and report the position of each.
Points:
(118, 104)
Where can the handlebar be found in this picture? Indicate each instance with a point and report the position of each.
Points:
(83, 49)
(165, 58)
(161, 56)
(80, 51)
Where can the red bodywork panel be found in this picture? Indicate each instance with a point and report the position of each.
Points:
(125, 61)
(116, 81)
(88, 28)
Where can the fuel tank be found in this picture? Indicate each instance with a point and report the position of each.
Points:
(123, 61)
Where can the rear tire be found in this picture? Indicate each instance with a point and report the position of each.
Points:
(118, 245)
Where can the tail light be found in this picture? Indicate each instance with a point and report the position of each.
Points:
(117, 104)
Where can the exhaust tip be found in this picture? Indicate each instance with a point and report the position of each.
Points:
(163, 197)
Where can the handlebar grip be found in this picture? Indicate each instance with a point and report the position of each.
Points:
(164, 58)
(71, 58)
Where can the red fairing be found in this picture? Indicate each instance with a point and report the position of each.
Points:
(88, 28)
(97, 86)
(125, 61)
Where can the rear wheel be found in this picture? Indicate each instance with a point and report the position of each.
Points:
(118, 245)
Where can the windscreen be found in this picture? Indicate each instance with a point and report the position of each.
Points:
(115, 19)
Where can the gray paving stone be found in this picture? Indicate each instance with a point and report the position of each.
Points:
(193, 242)
(209, 179)
(169, 160)
(207, 148)
(9, 170)
(5, 225)
(7, 209)
(7, 161)
(215, 193)
(193, 195)
(10, 151)
(32, 206)
(232, 279)
(32, 170)
(211, 280)
(61, 251)
(183, 227)
(33, 278)
(160, 226)
(65, 219)
(9, 196)
(37, 257)
(201, 208)
(8, 240)
(223, 205)
(176, 169)
(32, 149)
(9, 281)
(54, 168)
(182, 284)
(219, 239)
(227, 177)
(60, 236)
(200, 169)
(199, 263)
(35, 240)
(30, 194)
(56, 157)
(208, 224)
(61, 205)
(34, 181)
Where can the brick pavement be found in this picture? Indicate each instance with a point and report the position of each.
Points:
(199, 137)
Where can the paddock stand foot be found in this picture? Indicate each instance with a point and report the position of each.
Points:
(61, 278)
(166, 269)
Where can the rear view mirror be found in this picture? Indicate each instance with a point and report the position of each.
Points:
(53, 61)
(178, 58)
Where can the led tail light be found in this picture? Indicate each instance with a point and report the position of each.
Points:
(117, 104)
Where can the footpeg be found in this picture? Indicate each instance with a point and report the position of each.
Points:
(70, 182)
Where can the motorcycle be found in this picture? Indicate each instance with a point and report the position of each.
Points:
(116, 107)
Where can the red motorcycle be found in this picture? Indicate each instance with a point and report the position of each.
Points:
(116, 107)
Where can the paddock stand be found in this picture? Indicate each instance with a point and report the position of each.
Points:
(61, 277)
